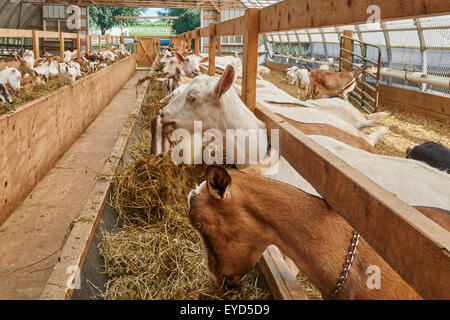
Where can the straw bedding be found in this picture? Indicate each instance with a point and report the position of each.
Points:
(157, 254)
(406, 129)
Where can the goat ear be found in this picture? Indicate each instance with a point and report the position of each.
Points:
(205, 59)
(179, 56)
(225, 82)
(18, 58)
(218, 182)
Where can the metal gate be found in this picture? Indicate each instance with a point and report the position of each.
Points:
(367, 90)
(146, 51)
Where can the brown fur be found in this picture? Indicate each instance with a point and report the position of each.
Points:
(332, 132)
(258, 212)
(332, 83)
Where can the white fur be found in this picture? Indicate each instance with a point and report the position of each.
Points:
(412, 181)
(10, 76)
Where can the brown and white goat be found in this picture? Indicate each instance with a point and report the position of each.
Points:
(239, 214)
(325, 83)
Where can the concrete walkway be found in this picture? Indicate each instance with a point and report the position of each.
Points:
(31, 238)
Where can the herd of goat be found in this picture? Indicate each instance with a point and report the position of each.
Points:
(239, 212)
(27, 71)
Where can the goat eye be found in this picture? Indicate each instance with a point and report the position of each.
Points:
(190, 99)
(198, 225)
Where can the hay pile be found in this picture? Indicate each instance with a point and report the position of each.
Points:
(406, 129)
(157, 254)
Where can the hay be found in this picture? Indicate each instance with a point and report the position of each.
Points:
(40, 91)
(407, 130)
(157, 254)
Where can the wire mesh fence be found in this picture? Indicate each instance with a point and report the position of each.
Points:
(421, 45)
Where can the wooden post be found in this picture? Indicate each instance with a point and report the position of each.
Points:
(121, 39)
(347, 46)
(197, 41)
(99, 43)
(212, 49)
(250, 58)
(35, 43)
(78, 46)
(61, 47)
(107, 42)
(135, 40)
(90, 44)
(189, 45)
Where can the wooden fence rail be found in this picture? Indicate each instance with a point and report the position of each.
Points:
(106, 40)
(415, 246)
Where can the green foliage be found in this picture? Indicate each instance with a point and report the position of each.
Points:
(103, 17)
(190, 19)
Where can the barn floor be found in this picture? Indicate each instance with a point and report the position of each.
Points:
(32, 237)
(406, 129)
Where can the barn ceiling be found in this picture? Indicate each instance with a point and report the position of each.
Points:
(16, 14)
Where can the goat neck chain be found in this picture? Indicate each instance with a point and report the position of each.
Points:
(347, 265)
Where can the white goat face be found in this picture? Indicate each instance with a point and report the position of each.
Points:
(12, 78)
(170, 69)
(192, 65)
(201, 100)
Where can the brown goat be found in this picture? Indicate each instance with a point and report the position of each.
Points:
(329, 83)
(239, 214)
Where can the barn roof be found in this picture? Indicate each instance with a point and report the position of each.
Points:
(16, 14)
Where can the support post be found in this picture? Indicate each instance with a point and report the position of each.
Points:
(35, 43)
(347, 46)
(212, 49)
(197, 41)
(78, 46)
(189, 45)
(250, 58)
(99, 37)
(61, 46)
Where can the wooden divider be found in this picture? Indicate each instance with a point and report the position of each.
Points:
(212, 49)
(416, 247)
(61, 36)
(35, 135)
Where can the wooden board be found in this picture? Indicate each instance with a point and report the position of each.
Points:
(416, 247)
(36, 134)
(282, 283)
(212, 49)
(306, 14)
(146, 51)
(250, 58)
(437, 107)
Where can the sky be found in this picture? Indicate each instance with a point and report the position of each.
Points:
(151, 12)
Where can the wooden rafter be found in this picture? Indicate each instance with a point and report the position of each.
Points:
(213, 4)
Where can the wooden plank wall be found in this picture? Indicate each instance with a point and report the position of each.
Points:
(35, 135)
(432, 105)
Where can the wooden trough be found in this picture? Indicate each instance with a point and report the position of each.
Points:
(80, 260)
(37, 134)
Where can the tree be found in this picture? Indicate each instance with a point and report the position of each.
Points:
(189, 20)
(103, 17)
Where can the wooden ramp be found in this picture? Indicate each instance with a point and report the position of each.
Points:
(32, 237)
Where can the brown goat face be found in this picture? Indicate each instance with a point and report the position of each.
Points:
(228, 234)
